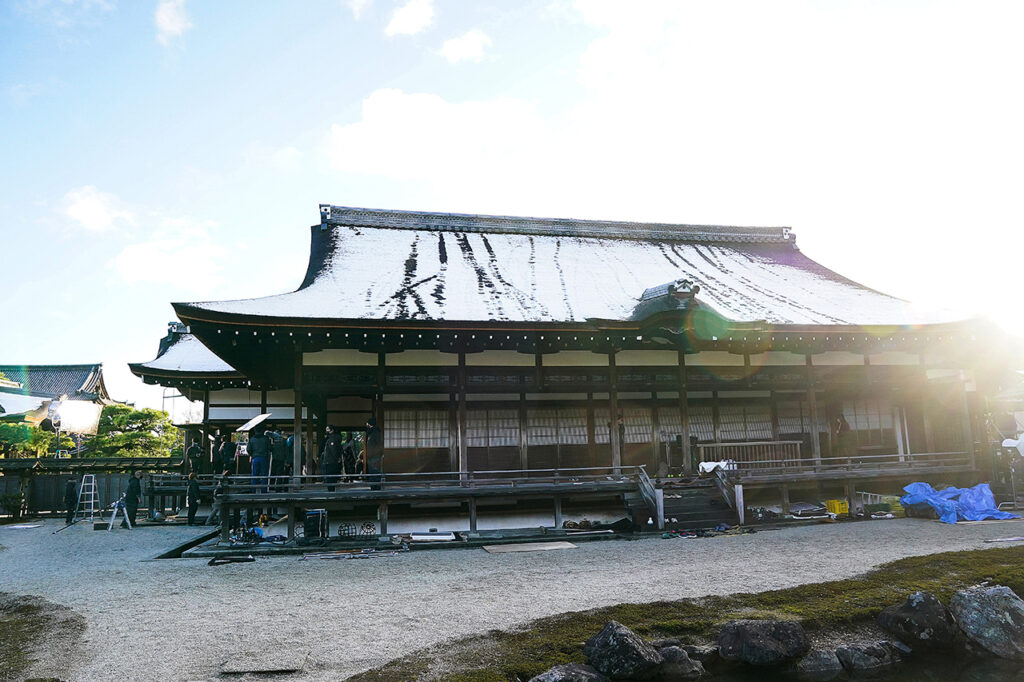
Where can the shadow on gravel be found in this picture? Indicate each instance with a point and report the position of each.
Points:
(37, 638)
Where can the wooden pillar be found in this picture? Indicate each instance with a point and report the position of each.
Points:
(785, 499)
(812, 403)
(453, 432)
(524, 460)
(613, 414)
(297, 418)
(382, 515)
(558, 511)
(773, 410)
(206, 428)
(591, 431)
(851, 489)
(263, 402)
(967, 428)
(740, 505)
(472, 514)
(660, 458)
(293, 515)
(225, 525)
(716, 419)
(321, 414)
(684, 415)
(463, 449)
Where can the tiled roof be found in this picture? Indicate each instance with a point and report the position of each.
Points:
(79, 382)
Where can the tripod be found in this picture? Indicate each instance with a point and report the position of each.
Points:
(118, 506)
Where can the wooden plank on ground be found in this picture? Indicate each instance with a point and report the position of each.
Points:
(528, 547)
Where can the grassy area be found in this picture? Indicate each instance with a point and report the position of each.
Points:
(499, 656)
(25, 623)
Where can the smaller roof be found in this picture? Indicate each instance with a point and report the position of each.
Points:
(181, 353)
(80, 382)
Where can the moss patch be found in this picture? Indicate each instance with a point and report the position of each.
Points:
(500, 655)
(29, 625)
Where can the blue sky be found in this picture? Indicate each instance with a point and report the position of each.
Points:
(160, 151)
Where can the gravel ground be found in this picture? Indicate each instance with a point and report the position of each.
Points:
(181, 619)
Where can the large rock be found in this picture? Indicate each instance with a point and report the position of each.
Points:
(619, 652)
(678, 665)
(707, 654)
(991, 618)
(868, 659)
(817, 666)
(921, 621)
(762, 642)
(570, 672)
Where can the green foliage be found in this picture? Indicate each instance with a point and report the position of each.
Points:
(521, 654)
(11, 503)
(127, 432)
(25, 440)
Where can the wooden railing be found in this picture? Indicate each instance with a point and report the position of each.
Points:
(876, 464)
(731, 491)
(751, 454)
(513, 478)
(654, 498)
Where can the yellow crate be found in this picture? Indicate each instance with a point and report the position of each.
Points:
(837, 506)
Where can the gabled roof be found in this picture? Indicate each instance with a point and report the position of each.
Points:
(369, 264)
(182, 354)
(78, 382)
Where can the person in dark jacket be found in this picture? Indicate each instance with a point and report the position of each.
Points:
(194, 455)
(259, 451)
(70, 501)
(280, 456)
(348, 454)
(192, 498)
(226, 454)
(132, 498)
(330, 458)
(373, 453)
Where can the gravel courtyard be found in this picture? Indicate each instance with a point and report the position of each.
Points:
(181, 619)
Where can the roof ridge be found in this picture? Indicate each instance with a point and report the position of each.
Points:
(348, 216)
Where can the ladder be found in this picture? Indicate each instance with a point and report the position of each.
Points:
(87, 498)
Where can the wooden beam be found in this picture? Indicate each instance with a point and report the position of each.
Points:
(812, 404)
(613, 414)
(523, 426)
(297, 419)
(684, 414)
(461, 386)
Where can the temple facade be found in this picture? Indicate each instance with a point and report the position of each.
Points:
(488, 343)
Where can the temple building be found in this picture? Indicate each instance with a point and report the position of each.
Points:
(486, 343)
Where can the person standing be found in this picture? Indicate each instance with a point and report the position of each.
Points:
(70, 501)
(194, 454)
(192, 498)
(373, 453)
(279, 455)
(227, 454)
(132, 498)
(348, 454)
(259, 451)
(331, 457)
(290, 446)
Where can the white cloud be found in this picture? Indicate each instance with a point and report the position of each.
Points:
(180, 252)
(171, 20)
(96, 211)
(423, 136)
(882, 152)
(411, 18)
(358, 7)
(469, 46)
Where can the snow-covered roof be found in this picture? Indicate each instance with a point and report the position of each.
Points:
(368, 264)
(182, 353)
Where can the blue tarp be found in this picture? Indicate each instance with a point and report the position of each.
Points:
(956, 504)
